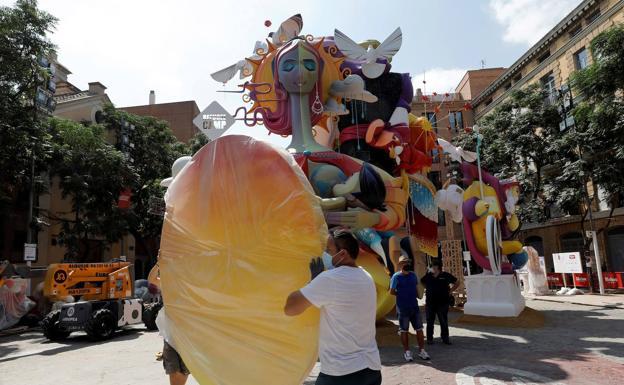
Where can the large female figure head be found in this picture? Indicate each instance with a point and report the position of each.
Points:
(296, 69)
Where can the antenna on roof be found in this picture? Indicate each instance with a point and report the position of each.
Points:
(482, 63)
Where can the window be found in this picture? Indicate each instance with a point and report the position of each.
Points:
(536, 242)
(575, 30)
(431, 117)
(488, 102)
(543, 57)
(615, 248)
(571, 242)
(581, 59)
(548, 84)
(507, 86)
(456, 121)
(517, 78)
(592, 16)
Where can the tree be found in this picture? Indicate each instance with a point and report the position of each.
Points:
(23, 134)
(91, 173)
(153, 151)
(599, 117)
(515, 145)
(198, 141)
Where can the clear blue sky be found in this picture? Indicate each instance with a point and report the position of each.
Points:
(172, 47)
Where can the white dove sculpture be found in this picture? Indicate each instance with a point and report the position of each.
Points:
(451, 199)
(243, 66)
(370, 68)
(457, 153)
(289, 29)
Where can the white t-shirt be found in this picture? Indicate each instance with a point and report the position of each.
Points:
(348, 302)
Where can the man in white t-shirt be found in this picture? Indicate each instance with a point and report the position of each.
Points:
(347, 298)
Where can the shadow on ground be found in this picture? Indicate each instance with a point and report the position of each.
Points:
(43, 347)
(568, 335)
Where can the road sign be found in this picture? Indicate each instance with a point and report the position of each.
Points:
(30, 251)
(214, 120)
(567, 262)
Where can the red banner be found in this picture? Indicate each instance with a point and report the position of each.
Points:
(124, 199)
(581, 280)
(620, 277)
(610, 280)
(554, 279)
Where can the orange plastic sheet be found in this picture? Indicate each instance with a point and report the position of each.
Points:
(241, 225)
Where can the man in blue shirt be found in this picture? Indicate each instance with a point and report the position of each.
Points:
(403, 285)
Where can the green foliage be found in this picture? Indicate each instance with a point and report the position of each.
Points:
(91, 174)
(154, 151)
(23, 40)
(599, 132)
(198, 141)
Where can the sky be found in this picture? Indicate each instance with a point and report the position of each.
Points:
(172, 47)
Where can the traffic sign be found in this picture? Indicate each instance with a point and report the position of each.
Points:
(214, 120)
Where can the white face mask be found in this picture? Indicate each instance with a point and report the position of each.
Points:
(327, 260)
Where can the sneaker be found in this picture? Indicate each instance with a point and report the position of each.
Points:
(430, 341)
(447, 342)
(423, 355)
(408, 356)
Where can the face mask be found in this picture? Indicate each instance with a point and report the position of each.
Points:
(327, 260)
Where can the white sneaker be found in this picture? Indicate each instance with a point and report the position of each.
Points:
(408, 356)
(423, 355)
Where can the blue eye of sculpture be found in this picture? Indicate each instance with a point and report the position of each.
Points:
(309, 64)
(288, 65)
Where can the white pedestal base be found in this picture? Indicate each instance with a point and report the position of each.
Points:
(493, 295)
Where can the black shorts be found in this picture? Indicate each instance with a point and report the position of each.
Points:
(172, 362)
(362, 377)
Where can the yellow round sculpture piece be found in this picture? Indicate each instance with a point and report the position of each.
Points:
(385, 300)
(241, 225)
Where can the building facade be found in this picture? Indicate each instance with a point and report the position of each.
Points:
(550, 62)
(179, 115)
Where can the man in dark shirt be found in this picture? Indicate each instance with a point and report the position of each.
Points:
(437, 283)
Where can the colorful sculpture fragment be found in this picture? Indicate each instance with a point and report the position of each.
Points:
(491, 197)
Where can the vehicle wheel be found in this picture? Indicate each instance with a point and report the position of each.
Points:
(150, 311)
(101, 325)
(51, 328)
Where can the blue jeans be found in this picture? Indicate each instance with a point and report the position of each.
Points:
(407, 316)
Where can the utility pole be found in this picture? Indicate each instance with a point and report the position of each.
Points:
(43, 99)
(126, 146)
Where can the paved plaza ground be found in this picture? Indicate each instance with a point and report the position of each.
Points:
(579, 344)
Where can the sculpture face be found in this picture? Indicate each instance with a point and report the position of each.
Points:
(298, 71)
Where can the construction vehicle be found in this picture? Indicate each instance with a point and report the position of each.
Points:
(105, 292)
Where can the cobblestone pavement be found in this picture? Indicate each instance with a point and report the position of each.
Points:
(579, 344)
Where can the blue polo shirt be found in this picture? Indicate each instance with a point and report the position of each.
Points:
(405, 286)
